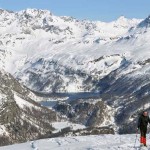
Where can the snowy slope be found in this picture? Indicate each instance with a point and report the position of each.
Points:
(51, 53)
(61, 125)
(21, 118)
(102, 142)
(36, 42)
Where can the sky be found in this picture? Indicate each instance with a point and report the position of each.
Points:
(103, 10)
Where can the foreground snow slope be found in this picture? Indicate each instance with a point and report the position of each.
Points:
(102, 142)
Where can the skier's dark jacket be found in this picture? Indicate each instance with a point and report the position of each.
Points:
(143, 122)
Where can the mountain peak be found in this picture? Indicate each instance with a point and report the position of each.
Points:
(35, 12)
(145, 23)
(5, 11)
(122, 18)
(147, 20)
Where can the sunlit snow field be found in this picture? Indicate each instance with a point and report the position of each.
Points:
(101, 142)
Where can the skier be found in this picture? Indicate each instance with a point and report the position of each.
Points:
(142, 125)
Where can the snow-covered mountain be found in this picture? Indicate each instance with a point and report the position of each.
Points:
(48, 53)
(21, 118)
(61, 53)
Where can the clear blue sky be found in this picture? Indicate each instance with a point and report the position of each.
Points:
(105, 10)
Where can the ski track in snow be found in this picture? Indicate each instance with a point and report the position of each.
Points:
(102, 142)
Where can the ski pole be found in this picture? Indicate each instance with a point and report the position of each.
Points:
(136, 138)
(149, 131)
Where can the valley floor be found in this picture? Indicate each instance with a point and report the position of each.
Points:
(101, 142)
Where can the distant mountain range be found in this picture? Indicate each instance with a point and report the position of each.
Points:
(50, 53)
